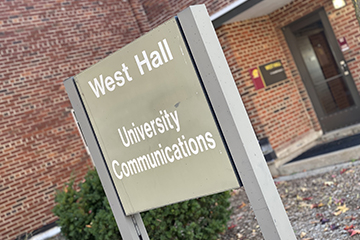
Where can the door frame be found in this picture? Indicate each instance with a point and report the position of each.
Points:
(326, 123)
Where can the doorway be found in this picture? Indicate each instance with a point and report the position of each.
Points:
(324, 71)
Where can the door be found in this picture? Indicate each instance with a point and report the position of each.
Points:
(324, 71)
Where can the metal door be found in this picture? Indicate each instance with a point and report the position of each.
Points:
(324, 71)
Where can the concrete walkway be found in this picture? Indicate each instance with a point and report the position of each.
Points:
(282, 167)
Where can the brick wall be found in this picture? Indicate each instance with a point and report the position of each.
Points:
(283, 111)
(276, 111)
(42, 43)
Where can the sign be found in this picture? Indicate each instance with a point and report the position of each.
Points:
(343, 44)
(153, 123)
(150, 128)
(257, 78)
(272, 72)
(267, 74)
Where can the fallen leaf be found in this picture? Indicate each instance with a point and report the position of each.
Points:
(232, 226)
(303, 189)
(324, 220)
(343, 170)
(316, 205)
(302, 204)
(242, 205)
(349, 227)
(302, 234)
(341, 209)
(339, 201)
(353, 232)
(337, 213)
(307, 198)
(334, 226)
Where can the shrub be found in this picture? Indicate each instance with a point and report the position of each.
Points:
(84, 213)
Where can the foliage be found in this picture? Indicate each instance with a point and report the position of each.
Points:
(201, 218)
(81, 210)
(357, 9)
(84, 213)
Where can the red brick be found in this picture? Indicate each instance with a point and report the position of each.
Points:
(36, 56)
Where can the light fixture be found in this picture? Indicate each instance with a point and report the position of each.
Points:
(339, 3)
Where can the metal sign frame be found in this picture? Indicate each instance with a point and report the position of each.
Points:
(130, 227)
(248, 160)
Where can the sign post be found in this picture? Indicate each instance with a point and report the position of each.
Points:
(235, 124)
(131, 227)
(162, 113)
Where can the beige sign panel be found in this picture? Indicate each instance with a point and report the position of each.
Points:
(153, 123)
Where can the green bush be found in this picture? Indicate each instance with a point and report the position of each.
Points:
(84, 213)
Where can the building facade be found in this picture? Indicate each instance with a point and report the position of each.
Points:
(295, 65)
(318, 47)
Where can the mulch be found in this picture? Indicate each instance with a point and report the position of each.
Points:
(320, 207)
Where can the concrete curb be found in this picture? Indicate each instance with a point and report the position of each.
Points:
(47, 234)
(333, 158)
(317, 171)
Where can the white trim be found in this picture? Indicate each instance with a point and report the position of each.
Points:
(227, 9)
